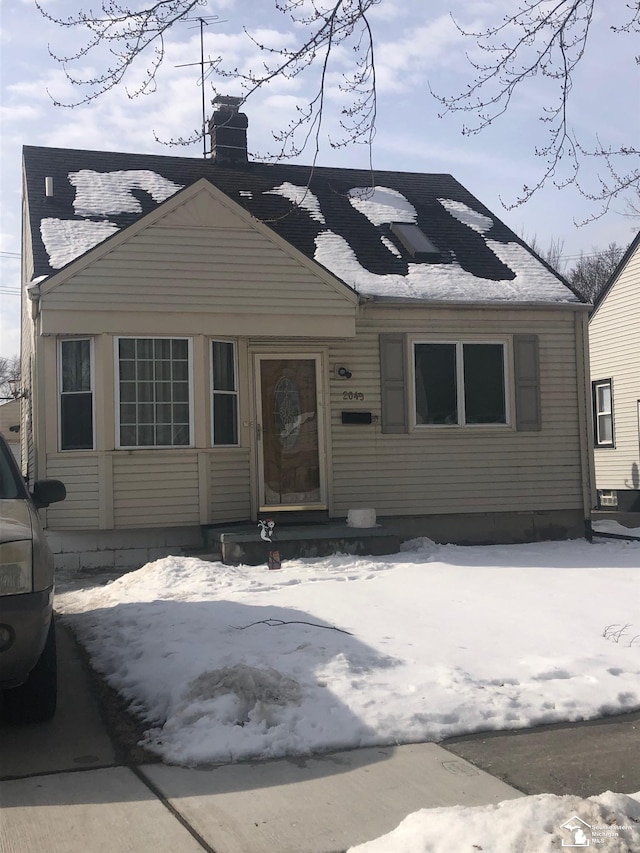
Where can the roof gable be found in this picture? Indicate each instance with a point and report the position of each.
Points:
(342, 219)
(625, 260)
(198, 206)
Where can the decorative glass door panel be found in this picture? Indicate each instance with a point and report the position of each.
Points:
(289, 433)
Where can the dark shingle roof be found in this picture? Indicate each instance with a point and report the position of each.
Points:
(249, 185)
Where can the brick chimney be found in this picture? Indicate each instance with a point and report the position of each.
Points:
(228, 129)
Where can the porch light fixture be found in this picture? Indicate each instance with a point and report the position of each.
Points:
(344, 373)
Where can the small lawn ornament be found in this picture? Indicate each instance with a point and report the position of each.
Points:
(266, 526)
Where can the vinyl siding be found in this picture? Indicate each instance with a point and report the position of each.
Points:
(208, 264)
(614, 348)
(9, 416)
(435, 470)
(80, 509)
(230, 486)
(198, 269)
(449, 470)
(149, 489)
(154, 489)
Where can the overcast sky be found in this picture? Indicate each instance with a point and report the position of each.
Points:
(416, 45)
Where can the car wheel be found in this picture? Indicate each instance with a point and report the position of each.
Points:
(35, 700)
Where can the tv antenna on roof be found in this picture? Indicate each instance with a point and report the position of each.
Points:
(203, 21)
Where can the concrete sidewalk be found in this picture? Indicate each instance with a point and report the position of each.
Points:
(65, 789)
(321, 804)
(94, 811)
(324, 804)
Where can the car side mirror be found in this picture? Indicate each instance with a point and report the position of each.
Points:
(47, 492)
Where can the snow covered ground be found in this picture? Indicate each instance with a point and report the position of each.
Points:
(610, 822)
(606, 525)
(231, 663)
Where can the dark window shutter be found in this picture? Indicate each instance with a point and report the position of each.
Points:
(393, 383)
(527, 382)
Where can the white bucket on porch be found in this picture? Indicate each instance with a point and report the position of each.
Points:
(361, 518)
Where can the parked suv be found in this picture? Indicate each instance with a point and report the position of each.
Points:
(28, 673)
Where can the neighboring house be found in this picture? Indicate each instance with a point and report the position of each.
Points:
(614, 344)
(10, 425)
(212, 340)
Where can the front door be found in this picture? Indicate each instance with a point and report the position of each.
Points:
(290, 434)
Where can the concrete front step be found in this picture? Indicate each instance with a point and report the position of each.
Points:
(242, 545)
(205, 554)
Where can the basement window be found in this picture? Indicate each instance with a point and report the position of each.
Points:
(607, 497)
(414, 239)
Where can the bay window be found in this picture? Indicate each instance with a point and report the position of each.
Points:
(154, 396)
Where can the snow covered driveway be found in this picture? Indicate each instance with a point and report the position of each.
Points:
(228, 663)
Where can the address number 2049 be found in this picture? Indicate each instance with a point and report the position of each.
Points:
(352, 395)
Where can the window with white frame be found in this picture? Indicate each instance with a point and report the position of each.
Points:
(603, 412)
(154, 392)
(75, 382)
(460, 383)
(224, 393)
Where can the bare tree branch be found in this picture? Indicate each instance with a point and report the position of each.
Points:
(591, 272)
(548, 39)
(543, 39)
(277, 623)
(129, 34)
(553, 254)
(9, 373)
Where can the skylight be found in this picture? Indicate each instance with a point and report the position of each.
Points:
(413, 239)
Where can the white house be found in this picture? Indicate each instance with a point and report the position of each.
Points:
(206, 341)
(614, 334)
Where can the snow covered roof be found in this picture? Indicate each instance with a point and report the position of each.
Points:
(341, 218)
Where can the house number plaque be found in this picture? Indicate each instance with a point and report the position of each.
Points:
(352, 395)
